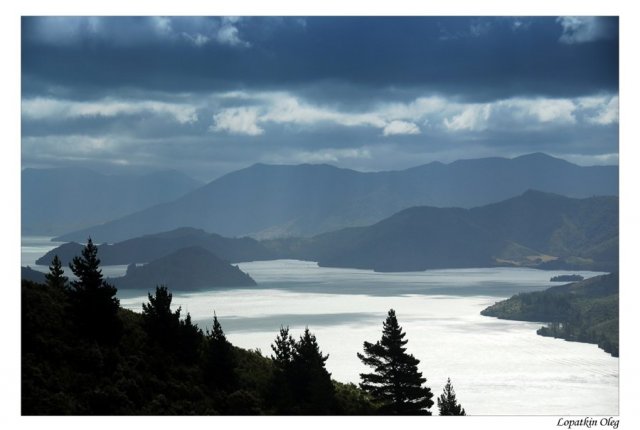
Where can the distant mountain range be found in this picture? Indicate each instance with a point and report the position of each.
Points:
(56, 201)
(186, 269)
(535, 229)
(269, 201)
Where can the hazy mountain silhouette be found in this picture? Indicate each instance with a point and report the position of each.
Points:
(151, 247)
(55, 201)
(186, 269)
(278, 201)
(535, 229)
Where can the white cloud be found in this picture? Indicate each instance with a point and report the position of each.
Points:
(543, 110)
(592, 160)
(49, 108)
(433, 112)
(241, 120)
(473, 117)
(582, 29)
(69, 146)
(607, 113)
(400, 127)
(65, 31)
(228, 34)
(328, 155)
(284, 108)
(415, 110)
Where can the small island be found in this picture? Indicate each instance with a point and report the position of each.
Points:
(191, 268)
(567, 278)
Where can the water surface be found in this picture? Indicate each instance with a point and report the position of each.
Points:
(497, 367)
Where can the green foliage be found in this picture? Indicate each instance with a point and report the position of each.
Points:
(396, 384)
(162, 364)
(351, 400)
(585, 311)
(94, 301)
(55, 278)
(219, 362)
(310, 380)
(301, 383)
(447, 403)
(166, 331)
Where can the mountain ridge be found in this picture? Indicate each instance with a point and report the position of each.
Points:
(265, 201)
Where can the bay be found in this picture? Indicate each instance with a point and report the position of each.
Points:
(497, 367)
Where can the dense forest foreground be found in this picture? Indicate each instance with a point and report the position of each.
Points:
(83, 354)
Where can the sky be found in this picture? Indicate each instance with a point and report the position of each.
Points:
(209, 95)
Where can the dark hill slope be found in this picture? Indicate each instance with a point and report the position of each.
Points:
(585, 311)
(529, 230)
(283, 200)
(146, 248)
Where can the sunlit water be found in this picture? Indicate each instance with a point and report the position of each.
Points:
(497, 367)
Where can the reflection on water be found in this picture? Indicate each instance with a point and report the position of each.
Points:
(497, 367)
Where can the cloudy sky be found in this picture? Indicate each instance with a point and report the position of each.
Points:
(208, 95)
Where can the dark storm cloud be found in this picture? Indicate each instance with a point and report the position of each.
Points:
(473, 58)
(212, 95)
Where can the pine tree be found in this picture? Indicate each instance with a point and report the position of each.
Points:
(189, 340)
(160, 323)
(219, 360)
(447, 403)
(281, 396)
(301, 383)
(283, 348)
(396, 382)
(94, 301)
(311, 381)
(55, 278)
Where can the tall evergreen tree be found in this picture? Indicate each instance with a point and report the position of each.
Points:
(396, 382)
(94, 301)
(283, 347)
(447, 403)
(311, 381)
(281, 396)
(219, 361)
(159, 321)
(55, 278)
(189, 340)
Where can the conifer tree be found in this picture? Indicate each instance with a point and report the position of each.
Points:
(283, 347)
(281, 396)
(189, 340)
(219, 361)
(55, 278)
(160, 323)
(94, 301)
(447, 403)
(311, 381)
(395, 382)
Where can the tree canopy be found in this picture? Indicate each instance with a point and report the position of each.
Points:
(55, 278)
(447, 403)
(395, 382)
(94, 300)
